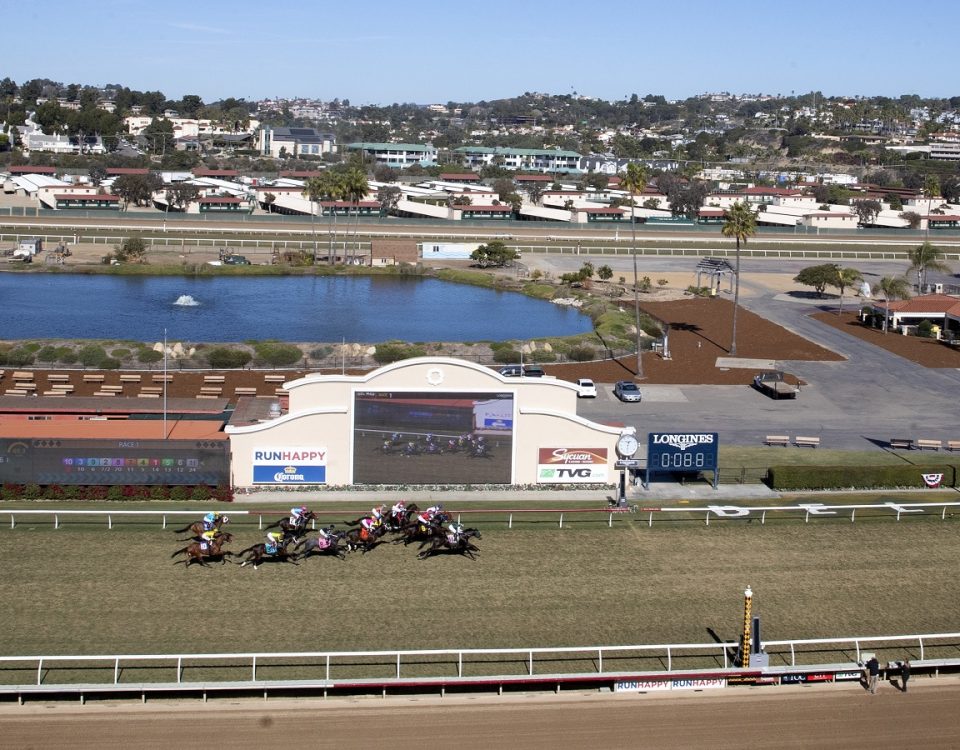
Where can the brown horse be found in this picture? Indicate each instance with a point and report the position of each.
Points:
(258, 554)
(463, 546)
(415, 531)
(363, 540)
(196, 529)
(294, 531)
(200, 552)
(328, 543)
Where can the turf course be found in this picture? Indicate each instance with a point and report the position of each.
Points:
(83, 589)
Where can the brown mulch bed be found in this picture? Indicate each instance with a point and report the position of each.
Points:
(700, 332)
(925, 352)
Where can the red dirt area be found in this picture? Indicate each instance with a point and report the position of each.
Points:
(700, 332)
(925, 352)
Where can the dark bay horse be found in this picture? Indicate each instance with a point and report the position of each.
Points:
(463, 546)
(294, 531)
(200, 552)
(363, 540)
(258, 554)
(415, 531)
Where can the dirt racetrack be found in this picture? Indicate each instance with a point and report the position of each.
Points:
(818, 716)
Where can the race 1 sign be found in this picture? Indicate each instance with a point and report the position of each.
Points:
(571, 465)
(302, 465)
(682, 452)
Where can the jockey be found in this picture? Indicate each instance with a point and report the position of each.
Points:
(297, 515)
(426, 518)
(377, 512)
(372, 523)
(398, 510)
(274, 541)
(456, 532)
(210, 520)
(207, 538)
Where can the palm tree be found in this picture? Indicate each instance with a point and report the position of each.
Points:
(356, 188)
(843, 278)
(313, 192)
(893, 287)
(741, 223)
(634, 182)
(926, 258)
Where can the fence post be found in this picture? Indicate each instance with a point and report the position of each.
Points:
(56, 521)
(116, 671)
(509, 522)
(398, 665)
(531, 663)
(12, 521)
(460, 664)
(109, 521)
(179, 669)
(40, 671)
(600, 660)
(561, 520)
(253, 677)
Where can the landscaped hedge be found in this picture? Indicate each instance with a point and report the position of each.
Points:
(786, 478)
(200, 492)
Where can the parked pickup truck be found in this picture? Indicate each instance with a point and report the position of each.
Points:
(773, 384)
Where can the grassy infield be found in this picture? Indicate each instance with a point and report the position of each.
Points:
(84, 589)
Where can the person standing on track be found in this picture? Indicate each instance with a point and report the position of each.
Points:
(873, 674)
(904, 674)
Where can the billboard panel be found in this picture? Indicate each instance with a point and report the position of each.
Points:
(571, 465)
(300, 465)
(415, 437)
(114, 462)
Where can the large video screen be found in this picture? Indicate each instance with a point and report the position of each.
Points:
(409, 437)
(110, 462)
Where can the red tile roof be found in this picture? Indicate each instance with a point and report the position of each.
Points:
(86, 196)
(711, 212)
(219, 199)
(296, 173)
(215, 173)
(602, 210)
(28, 169)
(927, 303)
(127, 170)
(460, 177)
(484, 209)
(534, 178)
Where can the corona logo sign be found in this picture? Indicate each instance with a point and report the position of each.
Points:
(290, 465)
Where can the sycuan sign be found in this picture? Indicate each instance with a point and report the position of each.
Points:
(576, 465)
(302, 465)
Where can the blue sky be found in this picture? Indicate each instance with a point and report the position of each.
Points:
(427, 51)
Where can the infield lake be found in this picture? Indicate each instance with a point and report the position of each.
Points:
(367, 309)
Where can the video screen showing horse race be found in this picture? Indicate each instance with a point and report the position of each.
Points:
(430, 437)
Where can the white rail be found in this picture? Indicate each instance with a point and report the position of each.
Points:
(664, 654)
(730, 512)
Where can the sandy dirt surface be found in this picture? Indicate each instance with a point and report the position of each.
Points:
(835, 716)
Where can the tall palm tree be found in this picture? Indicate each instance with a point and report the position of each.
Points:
(845, 277)
(739, 222)
(926, 258)
(356, 188)
(634, 182)
(893, 288)
(313, 192)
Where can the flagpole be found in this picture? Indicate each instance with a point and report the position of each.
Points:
(164, 383)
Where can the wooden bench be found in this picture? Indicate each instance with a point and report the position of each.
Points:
(92, 378)
(104, 393)
(62, 394)
(934, 445)
(243, 391)
(16, 392)
(214, 378)
(22, 375)
(209, 390)
(62, 387)
(26, 386)
(163, 378)
(281, 392)
(55, 377)
(274, 378)
(112, 388)
(148, 395)
(904, 444)
(129, 378)
(783, 440)
(811, 442)
(153, 390)
(208, 395)
(953, 445)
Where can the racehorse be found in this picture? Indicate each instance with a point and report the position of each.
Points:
(258, 553)
(463, 546)
(363, 540)
(415, 531)
(403, 520)
(294, 531)
(328, 543)
(199, 552)
(197, 528)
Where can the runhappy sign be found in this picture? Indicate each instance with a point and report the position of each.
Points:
(300, 465)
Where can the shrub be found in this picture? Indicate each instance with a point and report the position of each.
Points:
(47, 354)
(321, 352)
(582, 353)
(120, 353)
(222, 357)
(393, 351)
(148, 356)
(544, 356)
(67, 356)
(92, 355)
(180, 493)
(506, 356)
(860, 477)
(276, 354)
(925, 329)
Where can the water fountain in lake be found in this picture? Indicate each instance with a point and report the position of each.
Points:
(185, 300)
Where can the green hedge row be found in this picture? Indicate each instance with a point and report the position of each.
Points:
(787, 478)
(116, 492)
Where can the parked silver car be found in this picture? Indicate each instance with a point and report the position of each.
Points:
(626, 390)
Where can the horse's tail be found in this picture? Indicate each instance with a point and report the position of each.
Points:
(245, 551)
(274, 525)
(185, 528)
(180, 551)
(352, 523)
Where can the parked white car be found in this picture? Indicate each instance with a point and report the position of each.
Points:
(586, 388)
